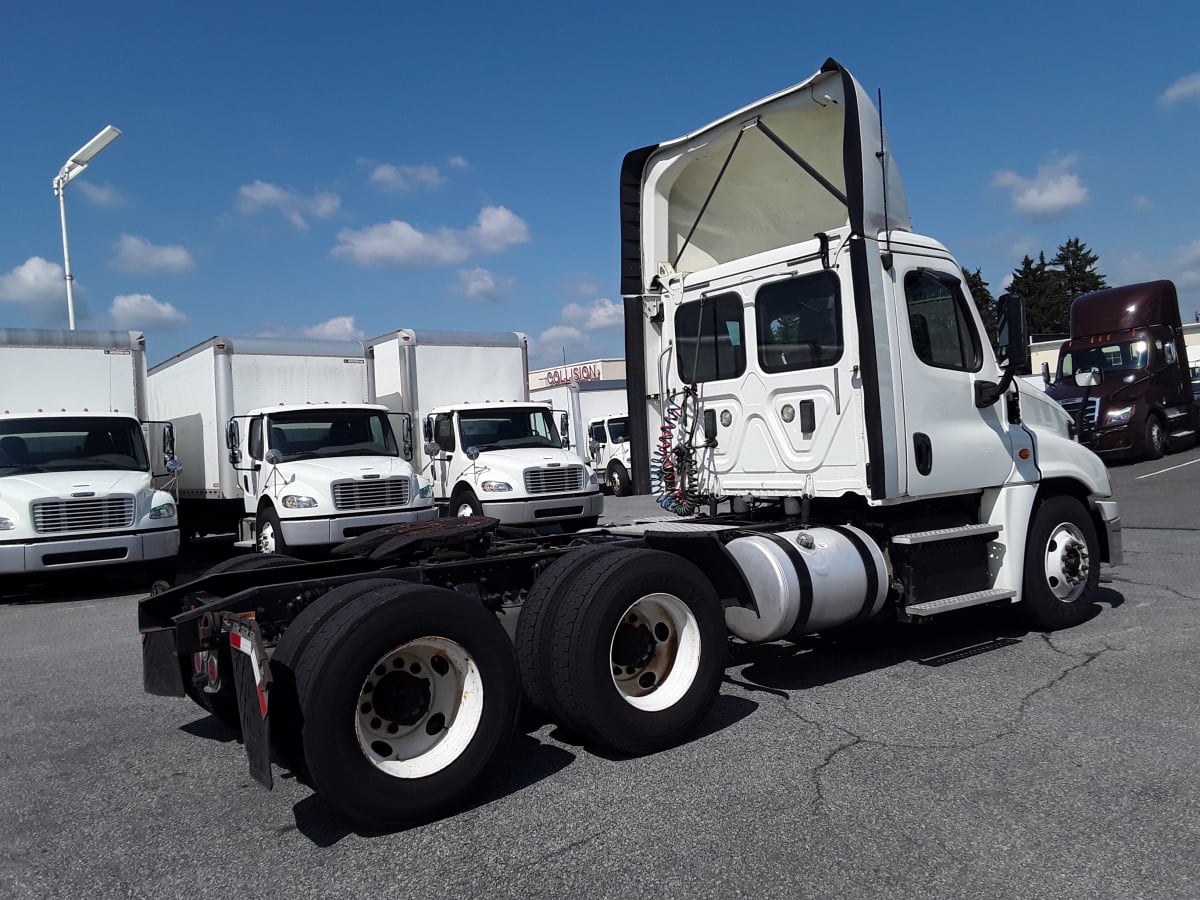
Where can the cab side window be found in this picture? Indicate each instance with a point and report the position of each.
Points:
(443, 432)
(939, 321)
(709, 339)
(596, 433)
(799, 323)
(254, 439)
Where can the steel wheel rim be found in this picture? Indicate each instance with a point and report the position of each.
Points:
(430, 727)
(266, 538)
(1067, 562)
(654, 654)
(465, 509)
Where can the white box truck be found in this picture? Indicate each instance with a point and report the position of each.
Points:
(488, 449)
(287, 448)
(76, 476)
(599, 427)
(833, 405)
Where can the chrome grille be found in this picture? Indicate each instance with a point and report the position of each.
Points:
(554, 480)
(374, 494)
(1071, 405)
(57, 516)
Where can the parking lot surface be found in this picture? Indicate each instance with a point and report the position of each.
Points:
(963, 758)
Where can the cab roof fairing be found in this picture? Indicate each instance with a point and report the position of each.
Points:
(763, 197)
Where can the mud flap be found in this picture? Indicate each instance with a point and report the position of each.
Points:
(161, 672)
(252, 677)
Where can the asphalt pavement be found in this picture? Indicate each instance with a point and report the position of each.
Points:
(963, 758)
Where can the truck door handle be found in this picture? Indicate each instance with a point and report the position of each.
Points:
(923, 452)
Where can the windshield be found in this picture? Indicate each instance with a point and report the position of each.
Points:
(1126, 356)
(69, 444)
(504, 429)
(618, 429)
(327, 433)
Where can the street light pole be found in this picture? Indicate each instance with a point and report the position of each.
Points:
(74, 166)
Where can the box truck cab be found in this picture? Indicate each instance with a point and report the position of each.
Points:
(608, 449)
(507, 460)
(76, 475)
(289, 451)
(1143, 404)
(488, 449)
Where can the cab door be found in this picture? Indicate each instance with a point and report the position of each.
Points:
(951, 444)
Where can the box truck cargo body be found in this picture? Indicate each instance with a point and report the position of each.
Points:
(487, 448)
(76, 475)
(288, 449)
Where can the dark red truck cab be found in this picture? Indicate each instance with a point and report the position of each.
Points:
(1143, 405)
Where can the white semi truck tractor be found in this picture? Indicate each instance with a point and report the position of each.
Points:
(77, 474)
(809, 384)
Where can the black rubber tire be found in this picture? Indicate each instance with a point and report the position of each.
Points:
(268, 516)
(465, 495)
(1156, 438)
(584, 623)
(331, 674)
(286, 719)
(532, 637)
(223, 703)
(1039, 606)
(618, 479)
(573, 525)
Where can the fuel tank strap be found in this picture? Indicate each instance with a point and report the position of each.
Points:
(868, 562)
(802, 574)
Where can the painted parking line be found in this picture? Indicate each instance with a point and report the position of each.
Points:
(1171, 469)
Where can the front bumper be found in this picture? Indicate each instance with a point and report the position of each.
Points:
(526, 511)
(316, 532)
(30, 557)
(1110, 515)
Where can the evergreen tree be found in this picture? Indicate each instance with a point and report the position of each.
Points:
(1047, 305)
(984, 302)
(1078, 268)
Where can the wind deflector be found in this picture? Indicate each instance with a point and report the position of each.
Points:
(770, 175)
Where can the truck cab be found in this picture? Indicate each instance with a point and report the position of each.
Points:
(76, 491)
(317, 474)
(507, 460)
(1144, 402)
(608, 452)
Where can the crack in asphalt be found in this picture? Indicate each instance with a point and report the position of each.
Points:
(1163, 587)
(818, 806)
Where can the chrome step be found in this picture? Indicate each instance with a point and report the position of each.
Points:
(947, 534)
(962, 601)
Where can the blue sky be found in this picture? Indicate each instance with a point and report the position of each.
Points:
(343, 169)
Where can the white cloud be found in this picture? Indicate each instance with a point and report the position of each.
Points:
(598, 315)
(100, 195)
(480, 284)
(136, 254)
(398, 243)
(1186, 88)
(1141, 201)
(33, 282)
(290, 204)
(457, 162)
(144, 312)
(338, 328)
(403, 178)
(1051, 193)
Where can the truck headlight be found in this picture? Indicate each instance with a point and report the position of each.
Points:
(426, 491)
(496, 487)
(7, 524)
(163, 511)
(592, 477)
(1118, 416)
(295, 501)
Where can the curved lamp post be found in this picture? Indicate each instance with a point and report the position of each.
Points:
(74, 166)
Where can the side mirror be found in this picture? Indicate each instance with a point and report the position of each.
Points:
(1012, 342)
(406, 436)
(1088, 377)
(274, 457)
(472, 453)
(168, 440)
(432, 448)
(173, 465)
(594, 447)
(1046, 372)
(232, 436)
(427, 429)
(563, 423)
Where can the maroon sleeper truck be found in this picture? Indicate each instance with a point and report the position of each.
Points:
(1143, 403)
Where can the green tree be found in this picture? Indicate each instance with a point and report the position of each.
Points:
(1047, 305)
(1077, 269)
(984, 301)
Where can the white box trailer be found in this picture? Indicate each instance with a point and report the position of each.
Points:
(76, 475)
(599, 427)
(288, 448)
(488, 449)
